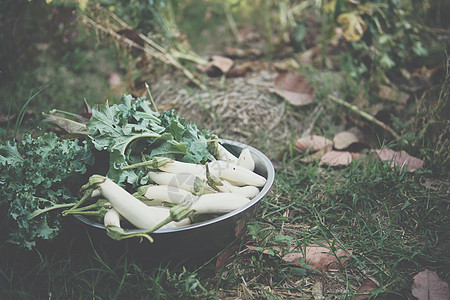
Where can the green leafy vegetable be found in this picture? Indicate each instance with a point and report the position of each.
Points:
(132, 132)
(38, 175)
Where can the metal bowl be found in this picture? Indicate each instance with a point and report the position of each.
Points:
(205, 237)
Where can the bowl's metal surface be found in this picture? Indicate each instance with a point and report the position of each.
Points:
(212, 235)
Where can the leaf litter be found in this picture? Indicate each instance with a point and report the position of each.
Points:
(344, 139)
(330, 153)
(293, 87)
(428, 286)
(399, 159)
(316, 257)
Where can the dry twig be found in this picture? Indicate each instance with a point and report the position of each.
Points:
(365, 115)
(150, 47)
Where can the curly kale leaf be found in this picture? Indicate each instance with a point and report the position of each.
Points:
(37, 174)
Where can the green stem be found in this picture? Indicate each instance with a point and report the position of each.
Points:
(161, 224)
(212, 181)
(154, 163)
(54, 111)
(140, 136)
(84, 213)
(117, 233)
(366, 116)
(50, 208)
(87, 195)
(97, 206)
(151, 98)
(88, 188)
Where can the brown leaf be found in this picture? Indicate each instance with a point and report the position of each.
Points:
(313, 143)
(344, 139)
(318, 257)
(428, 286)
(296, 99)
(400, 159)
(356, 156)
(294, 87)
(366, 287)
(217, 65)
(336, 158)
(315, 156)
(294, 82)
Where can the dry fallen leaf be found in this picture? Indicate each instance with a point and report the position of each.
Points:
(313, 143)
(400, 159)
(217, 65)
(367, 286)
(293, 87)
(336, 158)
(318, 257)
(315, 156)
(428, 286)
(356, 156)
(344, 139)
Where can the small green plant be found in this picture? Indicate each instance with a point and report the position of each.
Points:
(381, 35)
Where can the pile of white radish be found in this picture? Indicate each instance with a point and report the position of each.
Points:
(180, 190)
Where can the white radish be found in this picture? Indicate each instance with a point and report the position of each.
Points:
(235, 174)
(182, 167)
(246, 159)
(248, 191)
(186, 181)
(225, 155)
(207, 203)
(218, 203)
(132, 209)
(111, 218)
(184, 222)
(96, 193)
(164, 193)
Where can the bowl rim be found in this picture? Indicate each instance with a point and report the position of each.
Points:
(269, 182)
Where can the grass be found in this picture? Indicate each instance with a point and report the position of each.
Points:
(395, 226)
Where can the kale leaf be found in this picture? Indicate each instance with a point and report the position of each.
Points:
(132, 132)
(38, 174)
